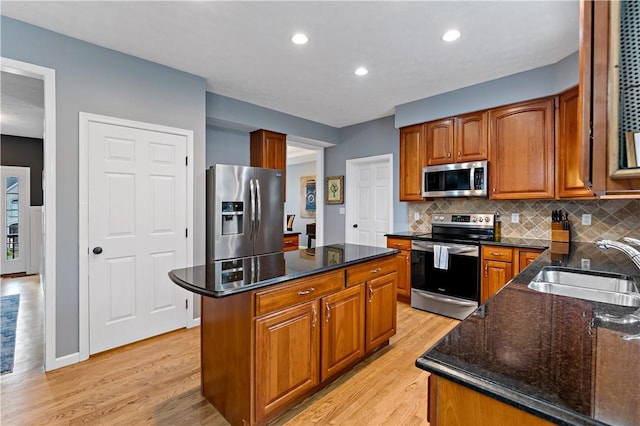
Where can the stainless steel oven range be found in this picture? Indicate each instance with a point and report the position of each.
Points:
(445, 266)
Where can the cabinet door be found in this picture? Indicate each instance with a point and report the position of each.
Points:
(269, 150)
(471, 137)
(525, 257)
(287, 356)
(521, 150)
(439, 136)
(342, 330)
(404, 273)
(412, 160)
(569, 148)
(494, 276)
(380, 310)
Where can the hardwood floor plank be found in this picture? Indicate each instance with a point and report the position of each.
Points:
(157, 382)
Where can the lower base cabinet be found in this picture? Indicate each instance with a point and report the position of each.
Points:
(403, 270)
(500, 264)
(264, 351)
(451, 404)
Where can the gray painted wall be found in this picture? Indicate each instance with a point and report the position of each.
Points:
(536, 83)
(25, 152)
(368, 139)
(226, 146)
(227, 112)
(101, 81)
(292, 205)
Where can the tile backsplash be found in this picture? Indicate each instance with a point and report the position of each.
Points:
(610, 219)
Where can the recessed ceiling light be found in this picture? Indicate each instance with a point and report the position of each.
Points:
(299, 38)
(451, 35)
(361, 71)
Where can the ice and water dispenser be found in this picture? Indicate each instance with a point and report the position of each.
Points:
(232, 217)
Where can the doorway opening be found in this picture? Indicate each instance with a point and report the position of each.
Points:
(28, 119)
(305, 192)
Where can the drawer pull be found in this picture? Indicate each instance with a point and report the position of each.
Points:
(493, 253)
(398, 244)
(305, 292)
(375, 271)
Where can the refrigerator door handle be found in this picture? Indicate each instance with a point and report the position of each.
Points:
(259, 204)
(252, 192)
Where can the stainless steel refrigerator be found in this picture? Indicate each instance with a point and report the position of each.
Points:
(245, 211)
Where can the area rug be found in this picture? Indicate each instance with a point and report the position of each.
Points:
(8, 319)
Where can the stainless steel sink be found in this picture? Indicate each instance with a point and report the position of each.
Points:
(616, 289)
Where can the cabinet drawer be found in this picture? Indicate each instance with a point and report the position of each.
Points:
(290, 242)
(370, 270)
(399, 243)
(298, 291)
(504, 254)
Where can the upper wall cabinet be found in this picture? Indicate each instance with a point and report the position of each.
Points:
(569, 150)
(412, 160)
(457, 140)
(521, 155)
(608, 58)
(269, 150)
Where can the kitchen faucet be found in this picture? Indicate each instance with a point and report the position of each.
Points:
(634, 255)
(632, 252)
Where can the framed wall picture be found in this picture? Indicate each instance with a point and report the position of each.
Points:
(308, 197)
(334, 192)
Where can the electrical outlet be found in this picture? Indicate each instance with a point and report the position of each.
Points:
(585, 264)
(586, 219)
(416, 216)
(515, 217)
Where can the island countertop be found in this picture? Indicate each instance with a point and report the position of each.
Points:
(548, 355)
(227, 277)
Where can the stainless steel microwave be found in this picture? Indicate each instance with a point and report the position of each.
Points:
(455, 180)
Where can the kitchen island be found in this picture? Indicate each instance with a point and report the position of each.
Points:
(527, 357)
(276, 328)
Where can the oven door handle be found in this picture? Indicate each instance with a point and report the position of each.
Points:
(468, 251)
(446, 299)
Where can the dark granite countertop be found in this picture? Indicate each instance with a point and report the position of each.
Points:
(291, 233)
(404, 234)
(548, 355)
(227, 277)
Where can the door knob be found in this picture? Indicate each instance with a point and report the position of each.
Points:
(355, 226)
(97, 250)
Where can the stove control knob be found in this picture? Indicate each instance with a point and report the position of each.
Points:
(473, 219)
(486, 218)
(480, 219)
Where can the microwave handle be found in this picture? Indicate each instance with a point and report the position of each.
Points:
(472, 176)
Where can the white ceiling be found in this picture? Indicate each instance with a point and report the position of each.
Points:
(243, 49)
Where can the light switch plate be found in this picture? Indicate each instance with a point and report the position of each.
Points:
(586, 219)
(515, 217)
(585, 264)
(341, 210)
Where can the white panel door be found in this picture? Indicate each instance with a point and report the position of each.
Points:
(16, 200)
(370, 214)
(137, 222)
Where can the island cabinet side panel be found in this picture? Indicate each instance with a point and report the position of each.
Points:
(451, 404)
(227, 351)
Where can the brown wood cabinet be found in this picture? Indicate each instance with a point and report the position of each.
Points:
(521, 150)
(291, 242)
(269, 150)
(265, 350)
(403, 266)
(569, 149)
(451, 404)
(413, 153)
(457, 139)
(343, 330)
(500, 264)
(287, 356)
(440, 141)
(380, 310)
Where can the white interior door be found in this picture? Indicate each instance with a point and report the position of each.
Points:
(137, 221)
(369, 202)
(16, 200)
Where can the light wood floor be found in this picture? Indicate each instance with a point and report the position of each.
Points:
(157, 381)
